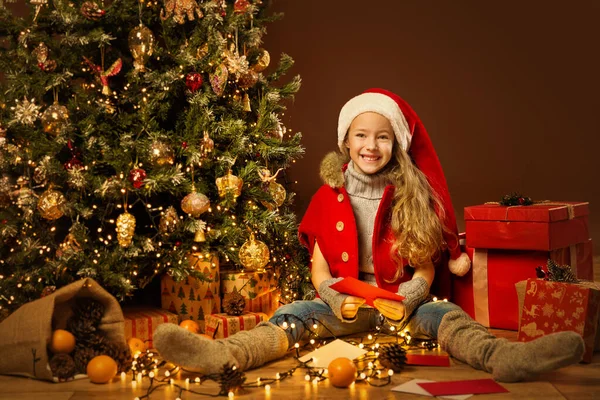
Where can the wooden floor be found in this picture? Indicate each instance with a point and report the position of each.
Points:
(580, 381)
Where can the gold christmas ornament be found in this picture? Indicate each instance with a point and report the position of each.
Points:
(278, 193)
(195, 204)
(168, 221)
(207, 145)
(202, 51)
(141, 45)
(125, 229)
(248, 80)
(254, 254)
(50, 204)
(200, 236)
(54, 119)
(246, 103)
(229, 184)
(264, 59)
(161, 153)
(179, 9)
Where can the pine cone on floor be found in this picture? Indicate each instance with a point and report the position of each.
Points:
(88, 310)
(230, 379)
(392, 356)
(82, 356)
(62, 366)
(234, 303)
(120, 353)
(96, 341)
(80, 328)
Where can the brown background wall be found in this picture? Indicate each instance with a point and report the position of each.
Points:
(508, 91)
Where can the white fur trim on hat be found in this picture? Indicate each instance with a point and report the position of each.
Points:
(380, 104)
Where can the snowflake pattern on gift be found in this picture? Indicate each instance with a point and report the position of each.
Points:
(548, 310)
(568, 322)
(578, 312)
(579, 328)
(541, 295)
(560, 313)
(577, 298)
(554, 327)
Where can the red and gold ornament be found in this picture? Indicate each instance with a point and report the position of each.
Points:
(136, 177)
(241, 6)
(218, 79)
(92, 11)
(193, 81)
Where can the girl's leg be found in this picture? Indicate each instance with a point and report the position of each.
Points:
(316, 311)
(470, 342)
(253, 348)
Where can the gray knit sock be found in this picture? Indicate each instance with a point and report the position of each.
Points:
(245, 349)
(470, 342)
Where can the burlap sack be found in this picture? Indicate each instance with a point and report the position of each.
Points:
(25, 334)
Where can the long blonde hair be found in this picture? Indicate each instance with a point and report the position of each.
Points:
(417, 214)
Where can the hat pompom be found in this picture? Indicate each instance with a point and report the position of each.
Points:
(461, 265)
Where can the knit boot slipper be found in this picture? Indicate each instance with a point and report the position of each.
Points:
(470, 342)
(245, 349)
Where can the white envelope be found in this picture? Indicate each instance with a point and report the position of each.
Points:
(412, 387)
(326, 354)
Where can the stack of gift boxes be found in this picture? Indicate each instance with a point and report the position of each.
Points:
(506, 245)
(200, 298)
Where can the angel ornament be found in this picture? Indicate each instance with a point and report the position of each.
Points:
(269, 185)
(179, 9)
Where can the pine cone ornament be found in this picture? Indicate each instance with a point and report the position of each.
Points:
(62, 366)
(560, 273)
(81, 328)
(234, 303)
(82, 357)
(92, 11)
(230, 379)
(392, 356)
(88, 309)
(120, 353)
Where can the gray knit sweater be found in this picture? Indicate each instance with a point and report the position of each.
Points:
(365, 192)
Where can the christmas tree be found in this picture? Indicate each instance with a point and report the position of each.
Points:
(136, 136)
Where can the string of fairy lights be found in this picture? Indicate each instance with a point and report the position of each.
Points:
(370, 370)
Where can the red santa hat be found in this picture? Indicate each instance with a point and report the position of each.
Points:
(413, 138)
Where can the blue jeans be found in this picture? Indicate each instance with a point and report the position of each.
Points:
(423, 324)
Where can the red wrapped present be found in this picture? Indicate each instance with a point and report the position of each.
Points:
(222, 325)
(487, 291)
(141, 322)
(542, 226)
(193, 298)
(558, 306)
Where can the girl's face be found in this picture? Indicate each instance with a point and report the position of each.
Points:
(370, 141)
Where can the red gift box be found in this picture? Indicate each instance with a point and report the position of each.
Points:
(221, 326)
(142, 322)
(543, 226)
(487, 291)
(556, 307)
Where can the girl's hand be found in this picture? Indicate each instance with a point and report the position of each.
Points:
(350, 306)
(391, 309)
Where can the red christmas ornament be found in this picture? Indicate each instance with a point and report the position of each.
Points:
(73, 163)
(193, 81)
(177, 243)
(241, 6)
(184, 145)
(522, 200)
(136, 177)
